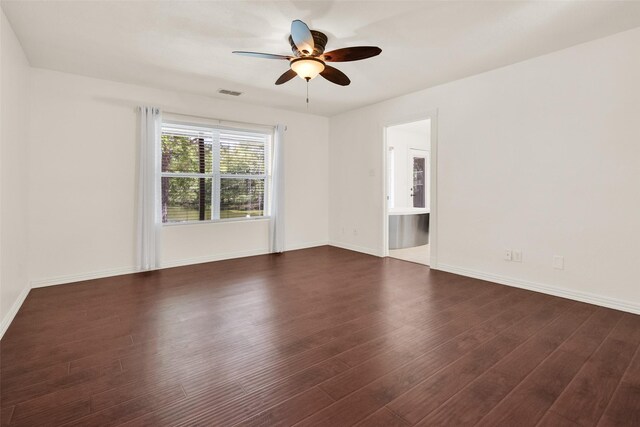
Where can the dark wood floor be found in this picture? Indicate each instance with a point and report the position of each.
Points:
(321, 336)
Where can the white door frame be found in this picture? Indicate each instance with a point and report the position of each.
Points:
(433, 184)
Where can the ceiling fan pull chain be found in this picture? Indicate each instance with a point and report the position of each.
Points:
(307, 79)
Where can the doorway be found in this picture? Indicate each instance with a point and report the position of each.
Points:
(408, 201)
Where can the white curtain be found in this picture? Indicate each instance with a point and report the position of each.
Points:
(149, 206)
(276, 234)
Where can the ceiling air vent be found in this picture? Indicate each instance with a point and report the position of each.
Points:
(229, 92)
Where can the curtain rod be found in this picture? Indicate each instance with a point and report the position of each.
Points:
(221, 120)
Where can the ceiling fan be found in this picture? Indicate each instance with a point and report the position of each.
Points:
(309, 58)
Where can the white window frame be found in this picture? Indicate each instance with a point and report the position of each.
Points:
(217, 176)
(419, 153)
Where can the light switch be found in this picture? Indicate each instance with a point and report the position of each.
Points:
(558, 262)
(517, 255)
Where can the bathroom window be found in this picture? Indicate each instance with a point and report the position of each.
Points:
(418, 164)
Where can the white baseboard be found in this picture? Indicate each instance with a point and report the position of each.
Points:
(356, 248)
(297, 246)
(587, 297)
(8, 318)
(212, 258)
(72, 278)
(240, 254)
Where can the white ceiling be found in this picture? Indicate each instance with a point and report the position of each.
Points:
(186, 45)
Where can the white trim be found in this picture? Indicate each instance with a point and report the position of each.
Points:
(356, 248)
(433, 178)
(73, 278)
(433, 193)
(8, 318)
(587, 297)
(298, 246)
(218, 221)
(211, 258)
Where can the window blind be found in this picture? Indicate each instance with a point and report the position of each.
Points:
(213, 173)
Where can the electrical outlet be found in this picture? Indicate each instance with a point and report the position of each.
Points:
(508, 255)
(517, 255)
(558, 262)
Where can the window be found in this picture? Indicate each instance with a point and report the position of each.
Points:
(211, 173)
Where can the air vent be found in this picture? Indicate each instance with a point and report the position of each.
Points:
(229, 92)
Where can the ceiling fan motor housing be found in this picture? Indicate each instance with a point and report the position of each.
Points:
(319, 41)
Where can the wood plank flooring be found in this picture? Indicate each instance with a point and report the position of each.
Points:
(320, 336)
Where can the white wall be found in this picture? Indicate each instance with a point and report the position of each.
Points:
(14, 166)
(541, 156)
(83, 179)
(402, 142)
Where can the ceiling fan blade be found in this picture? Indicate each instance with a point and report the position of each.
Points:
(288, 75)
(261, 55)
(302, 37)
(352, 53)
(335, 76)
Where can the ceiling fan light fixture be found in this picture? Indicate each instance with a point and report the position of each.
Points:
(309, 57)
(307, 68)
